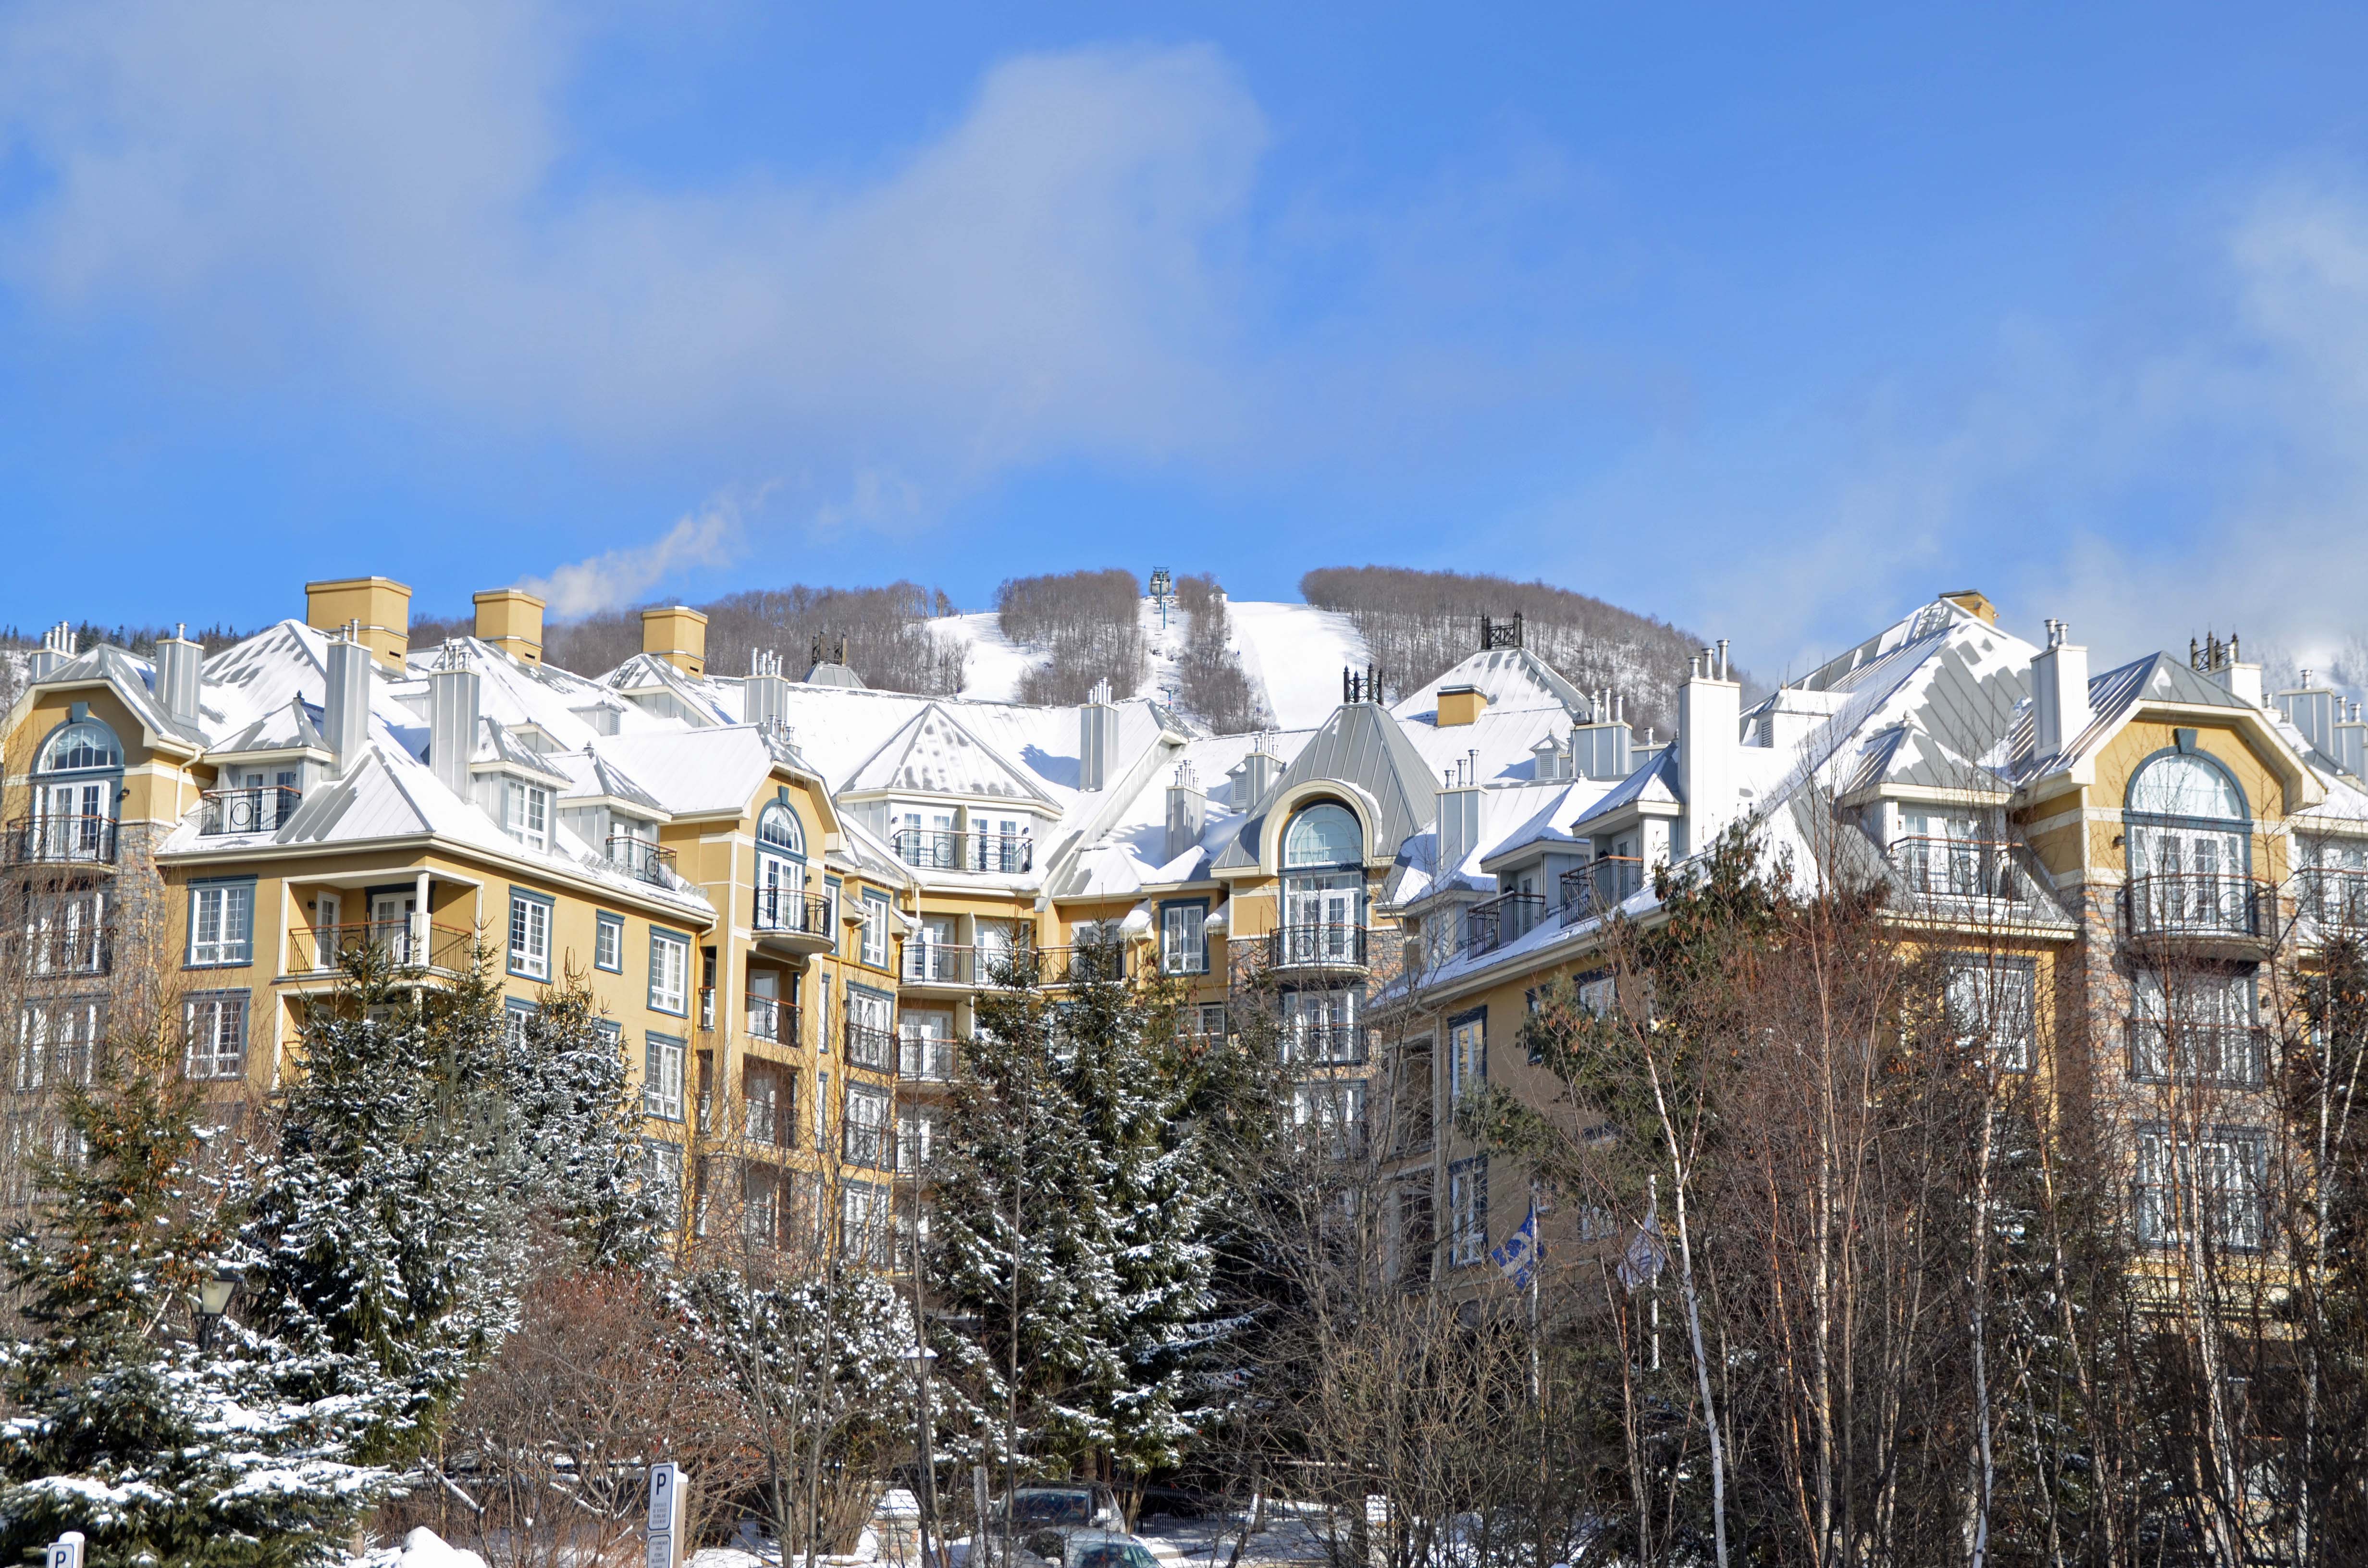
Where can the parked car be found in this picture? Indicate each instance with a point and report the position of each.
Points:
(1083, 1504)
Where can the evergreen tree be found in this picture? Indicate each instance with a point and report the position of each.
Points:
(431, 1155)
(122, 1428)
(1074, 1222)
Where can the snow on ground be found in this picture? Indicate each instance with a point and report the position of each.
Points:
(996, 662)
(423, 1547)
(1293, 655)
(1288, 1535)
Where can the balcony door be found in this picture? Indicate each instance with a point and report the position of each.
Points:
(1333, 900)
(391, 922)
(2188, 838)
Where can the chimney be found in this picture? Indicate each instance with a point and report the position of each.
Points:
(57, 650)
(2059, 692)
(1096, 738)
(1457, 821)
(1710, 747)
(2313, 710)
(765, 695)
(345, 712)
(376, 610)
(1255, 775)
(179, 662)
(678, 635)
(452, 720)
(1461, 704)
(1603, 747)
(1974, 602)
(1187, 811)
(2351, 748)
(2224, 662)
(511, 619)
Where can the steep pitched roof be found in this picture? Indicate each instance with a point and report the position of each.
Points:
(129, 678)
(934, 752)
(1360, 745)
(1508, 677)
(2112, 698)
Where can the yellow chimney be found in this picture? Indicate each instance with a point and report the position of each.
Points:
(1459, 705)
(511, 619)
(1972, 601)
(380, 604)
(678, 635)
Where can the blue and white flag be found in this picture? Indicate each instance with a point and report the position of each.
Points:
(1647, 1254)
(1518, 1256)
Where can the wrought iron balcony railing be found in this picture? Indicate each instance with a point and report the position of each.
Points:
(940, 963)
(873, 1147)
(256, 808)
(1084, 964)
(2221, 1055)
(869, 1046)
(639, 858)
(1326, 945)
(1508, 918)
(324, 949)
(2333, 898)
(939, 849)
(924, 1059)
(1325, 1045)
(51, 840)
(774, 1019)
(781, 910)
(1600, 886)
(1933, 867)
(2195, 905)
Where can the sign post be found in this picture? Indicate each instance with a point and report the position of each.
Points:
(665, 1518)
(65, 1552)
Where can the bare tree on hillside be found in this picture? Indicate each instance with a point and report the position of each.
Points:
(1088, 624)
(1214, 688)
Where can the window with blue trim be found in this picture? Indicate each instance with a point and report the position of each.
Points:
(222, 924)
(529, 949)
(662, 1065)
(669, 973)
(609, 944)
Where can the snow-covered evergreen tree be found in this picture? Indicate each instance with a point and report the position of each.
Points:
(1072, 1156)
(120, 1426)
(434, 1148)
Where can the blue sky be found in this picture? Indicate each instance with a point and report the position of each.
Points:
(1770, 321)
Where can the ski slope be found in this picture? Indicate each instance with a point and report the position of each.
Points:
(1292, 653)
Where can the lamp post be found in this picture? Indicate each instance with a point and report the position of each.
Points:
(213, 1300)
(920, 1356)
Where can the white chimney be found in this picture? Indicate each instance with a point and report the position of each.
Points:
(1458, 820)
(179, 663)
(764, 696)
(56, 652)
(1710, 750)
(1253, 775)
(2059, 692)
(1096, 738)
(2351, 748)
(2313, 710)
(452, 719)
(1187, 811)
(345, 712)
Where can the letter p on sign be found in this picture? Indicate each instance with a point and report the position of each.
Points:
(66, 1550)
(666, 1516)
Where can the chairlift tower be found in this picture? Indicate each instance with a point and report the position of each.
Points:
(1163, 593)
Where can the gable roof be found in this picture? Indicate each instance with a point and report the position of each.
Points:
(1361, 745)
(1508, 677)
(934, 752)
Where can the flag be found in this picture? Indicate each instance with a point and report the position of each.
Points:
(1518, 1257)
(1646, 1255)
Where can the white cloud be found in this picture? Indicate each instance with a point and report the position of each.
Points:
(710, 537)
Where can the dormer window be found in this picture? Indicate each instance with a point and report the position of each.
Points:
(525, 813)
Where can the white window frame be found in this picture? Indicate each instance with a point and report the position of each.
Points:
(215, 1023)
(58, 1041)
(663, 1059)
(1467, 1057)
(526, 812)
(1467, 1208)
(1993, 1004)
(1183, 948)
(2241, 1222)
(669, 973)
(529, 944)
(221, 926)
(609, 943)
(875, 931)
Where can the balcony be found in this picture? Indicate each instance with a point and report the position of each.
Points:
(1328, 948)
(1936, 868)
(328, 949)
(772, 1019)
(62, 841)
(1325, 1045)
(1505, 918)
(935, 849)
(869, 1046)
(256, 808)
(792, 922)
(2200, 915)
(1089, 964)
(945, 965)
(2211, 1055)
(1600, 887)
(872, 1147)
(640, 858)
(2330, 901)
(924, 1059)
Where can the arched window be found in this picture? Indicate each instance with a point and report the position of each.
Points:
(1324, 835)
(2181, 784)
(84, 744)
(777, 829)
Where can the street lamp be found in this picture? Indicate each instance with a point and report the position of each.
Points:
(919, 1355)
(213, 1300)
